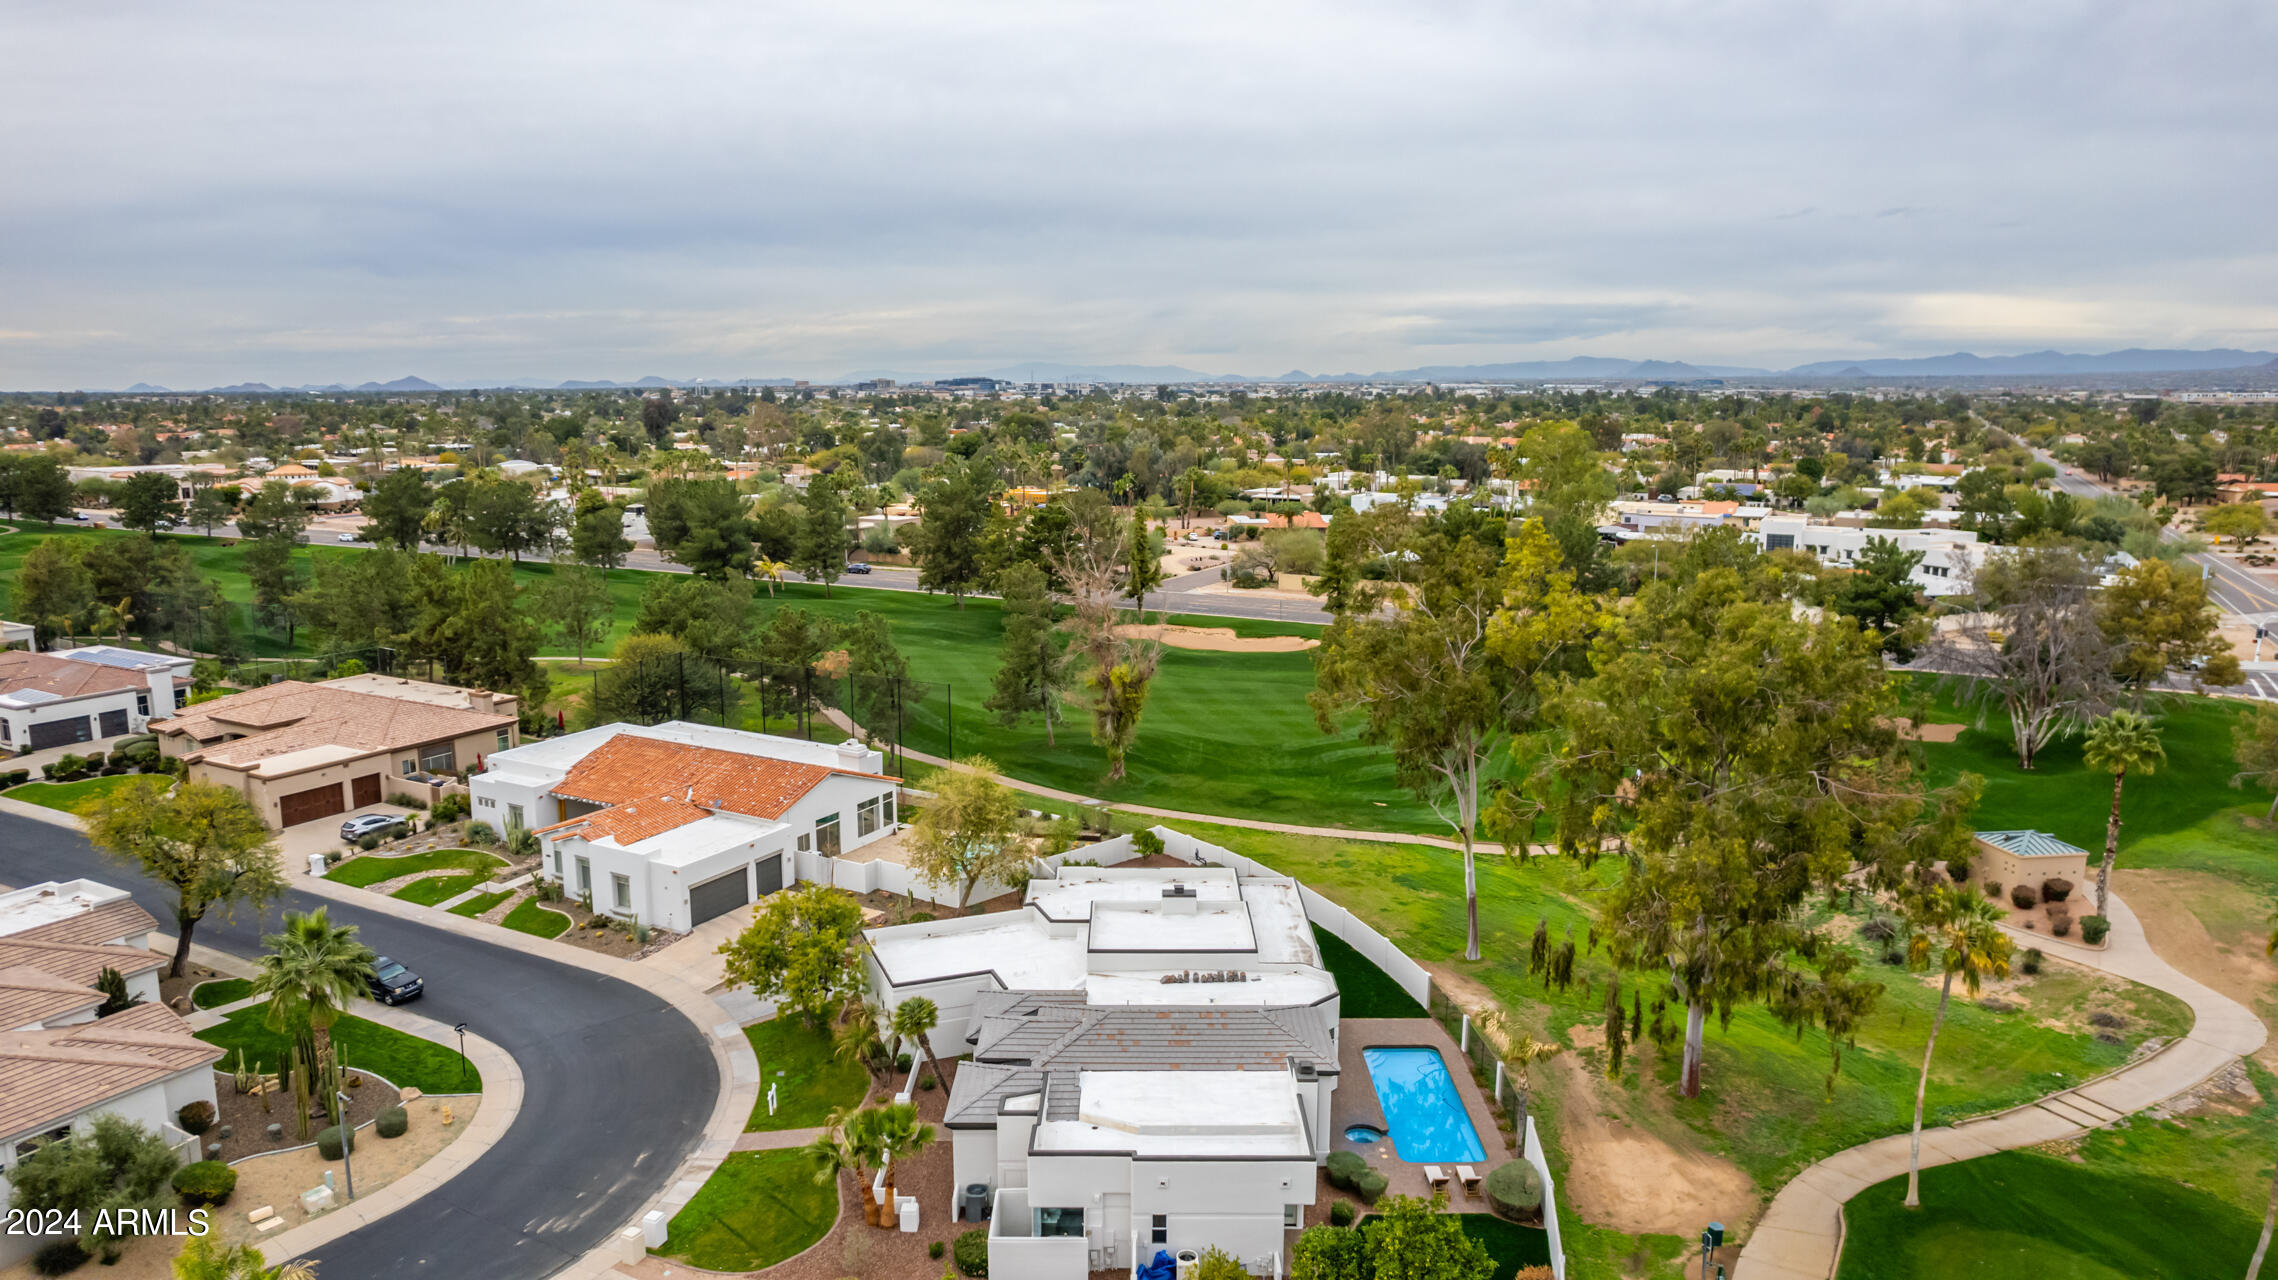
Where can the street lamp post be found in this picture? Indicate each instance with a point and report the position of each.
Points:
(461, 1028)
(1712, 1237)
(347, 1140)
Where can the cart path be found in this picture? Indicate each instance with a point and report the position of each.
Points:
(1800, 1237)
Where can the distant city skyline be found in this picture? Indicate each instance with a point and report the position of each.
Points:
(514, 193)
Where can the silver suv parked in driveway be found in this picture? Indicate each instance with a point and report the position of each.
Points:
(370, 824)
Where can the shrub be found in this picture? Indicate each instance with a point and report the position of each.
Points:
(902, 1063)
(2060, 923)
(60, 1257)
(94, 760)
(2055, 889)
(195, 1117)
(1879, 929)
(481, 834)
(402, 801)
(1959, 870)
(16, 777)
(1146, 843)
(2031, 963)
(1370, 1185)
(369, 841)
(971, 1253)
(1993, 888)
(205, 1184)
(451, 808)
(392, 1123)
(1537, 1272)
(328, 1142)
(1343, 1167)
(2024, 897)
(935, 1250)
(1514, 1191)
(2093, 929)
(1217, 1264)
(921, 917)
(1341, 1213)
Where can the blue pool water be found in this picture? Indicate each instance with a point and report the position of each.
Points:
(1421, 1106)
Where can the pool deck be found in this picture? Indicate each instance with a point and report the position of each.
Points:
(1356, 1103)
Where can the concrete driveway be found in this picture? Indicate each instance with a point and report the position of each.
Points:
(323, 835)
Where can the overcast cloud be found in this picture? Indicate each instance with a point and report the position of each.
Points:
(297, 193)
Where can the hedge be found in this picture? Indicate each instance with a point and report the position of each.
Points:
(205, 1184)
(971, 1253)
(1514, 1191)
(2093, 929)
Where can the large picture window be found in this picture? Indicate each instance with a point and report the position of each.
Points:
(826, 835)
(439, 759)
(866, 817)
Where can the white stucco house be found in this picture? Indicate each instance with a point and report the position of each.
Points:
(71, 696)
(1950, 557)
(674, 824)
(1154, 1053)
(61, 1065)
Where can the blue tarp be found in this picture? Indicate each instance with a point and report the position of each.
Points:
(1162, 1268)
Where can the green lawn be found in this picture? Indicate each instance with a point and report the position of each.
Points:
(757, 1209)
(1766, 1103)
(2021, 1213)
(372, 868)
(808, 1081)
(1364, 990)
(406, 1061)
(74, 797)
(528, 917)
(213, 995)
(431, 891)
(481, 902)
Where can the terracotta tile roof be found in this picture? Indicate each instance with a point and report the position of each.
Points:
(61, 676)
(632, 821)
(29, 996)
(106, 923)
(630, 767)
(47, 1077)
(76, 962)
(294, 716)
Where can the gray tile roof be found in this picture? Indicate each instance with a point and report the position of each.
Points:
(1031, 1041)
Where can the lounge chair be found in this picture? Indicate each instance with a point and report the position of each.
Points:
(1470, 1179)
(1435, 1177)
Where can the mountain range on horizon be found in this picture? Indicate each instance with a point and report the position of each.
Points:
(2049, 363)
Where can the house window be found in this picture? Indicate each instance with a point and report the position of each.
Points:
(1159, 1229)
(866, 817)
(181, 698)
(806, 843)
(513, 817)
(1779, 542)
(142, 704)
(410, 767)
(621, 891)
(1293, 1216)
(7, 731)
(557, 864)
(1059, 1222)
(439, 759)
(584, 877)
(886, 808)
(502, 740)
(826, 835)
(38, 1140)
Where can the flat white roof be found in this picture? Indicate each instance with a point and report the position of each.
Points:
(700, 839)
(1265, 990)
(38, 904)
(1073, 893)
(1022, 952)
(1182, 1113)
(1220, 925)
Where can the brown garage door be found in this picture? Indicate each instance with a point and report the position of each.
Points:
(309, 805)
(364, 791)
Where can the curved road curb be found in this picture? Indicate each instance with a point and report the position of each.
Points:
(1800, 1237)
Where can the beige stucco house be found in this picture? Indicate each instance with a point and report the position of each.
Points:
(2010, 858)
(304, 752)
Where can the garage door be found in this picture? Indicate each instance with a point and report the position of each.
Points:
(309, 805)
(364, 791)
(770, 875)
(61, 733)
(718, 896)
(114, 723)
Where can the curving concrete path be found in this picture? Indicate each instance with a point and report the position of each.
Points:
(1801, 1235)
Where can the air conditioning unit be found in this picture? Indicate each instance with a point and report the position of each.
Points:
(974, 1205)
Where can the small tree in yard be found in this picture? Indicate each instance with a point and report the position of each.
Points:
(969, 831)
(204, 842)
(2117, 744)
(915, 1019)
(2254, 745)
(1961, 932)
(114, 1165)
(1413, 1239)
(803, 950)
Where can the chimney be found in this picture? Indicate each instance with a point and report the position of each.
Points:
(478, 700)
(1179, 900)
(852, 755)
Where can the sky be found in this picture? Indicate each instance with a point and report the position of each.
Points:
(292, 193)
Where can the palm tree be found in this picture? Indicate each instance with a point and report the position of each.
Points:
(769, 572)
(915, 1019)
(900, 1137)
(206, 1258)
(856, 1038)
(313, 969)
(2118, 743)
(1962, 929)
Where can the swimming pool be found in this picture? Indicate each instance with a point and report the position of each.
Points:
(1421, 1106)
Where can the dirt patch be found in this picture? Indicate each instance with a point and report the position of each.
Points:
(248, 1121)
(1623, 1177)
(1217, 639)
(174, 993)
(1925, 732)
(607, 934)
(2174, 905)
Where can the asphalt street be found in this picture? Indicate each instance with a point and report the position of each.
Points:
(617, 1085)
(2234, 589)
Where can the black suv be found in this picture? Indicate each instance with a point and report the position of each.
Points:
(391, 983)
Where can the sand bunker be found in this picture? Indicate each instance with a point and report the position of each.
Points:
(1926, 732)
(1217, 639)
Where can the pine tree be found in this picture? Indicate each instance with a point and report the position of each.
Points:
(1538, 953)
(1617, 1039)
(1636, 1017)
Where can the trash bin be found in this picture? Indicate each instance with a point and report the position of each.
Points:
(653, 1228)
(907, 1212)
(316, 865)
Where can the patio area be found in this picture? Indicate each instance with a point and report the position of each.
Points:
(1358, 1103)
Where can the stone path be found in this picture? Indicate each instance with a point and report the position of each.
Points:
(1801, 1235)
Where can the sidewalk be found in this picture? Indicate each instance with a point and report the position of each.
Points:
(1801, 1235)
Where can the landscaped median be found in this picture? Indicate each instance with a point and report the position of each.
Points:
(403, 1059)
